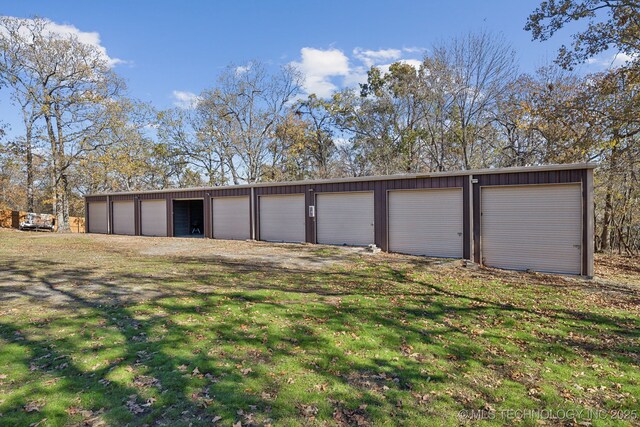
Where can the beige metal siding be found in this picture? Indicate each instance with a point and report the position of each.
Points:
(123, 218)
(345, 218)
(231, 218)
(532, 228)
(153, 217)
(282, 218)
(426, 222)
(98, 217)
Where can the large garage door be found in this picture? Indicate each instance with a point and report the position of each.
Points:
(345, 218)
(537, 228)
(97, 217)
(231, 218)
(153, 217)
(426, 222)
(123, 218)
(282, 218)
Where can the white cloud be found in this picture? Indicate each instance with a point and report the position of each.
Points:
(611, 61)
(319, 67)
(326, 71)
(414, 49)
(184, 99)
(341, 142)
(241, 69)
(88, 37)
(373, 57)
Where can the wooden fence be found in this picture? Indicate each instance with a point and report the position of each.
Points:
(12, 219)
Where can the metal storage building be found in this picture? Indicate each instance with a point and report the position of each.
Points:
(523, 218)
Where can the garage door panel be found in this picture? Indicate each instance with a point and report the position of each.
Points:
(231, 218)
(537, 228)
(123, 218)
(282, 218)
(426, 222)
(345, 218)
(98, 217)
(153, 217)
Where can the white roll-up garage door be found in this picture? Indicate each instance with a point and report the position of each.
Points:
(532, 227)
(153, 217)
(231, 218)
(98, 217)
(426, 222)
(123, 218)
(345, 218)
(282, 218)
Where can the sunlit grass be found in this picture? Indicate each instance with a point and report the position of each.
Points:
(374, 342)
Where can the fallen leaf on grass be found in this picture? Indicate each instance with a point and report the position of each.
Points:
(246, 371)
(135, 408)
(347, 417)
(309, 411)
(34, 406)
(143, 381)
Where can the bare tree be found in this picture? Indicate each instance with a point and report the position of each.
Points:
(70, 83)
(481, 66)
(16, 74)
(247, 105)
(192, 135)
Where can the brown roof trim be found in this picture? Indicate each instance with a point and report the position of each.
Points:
(517, 169)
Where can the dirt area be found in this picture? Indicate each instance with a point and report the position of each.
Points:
(147, 261)
(285, 255)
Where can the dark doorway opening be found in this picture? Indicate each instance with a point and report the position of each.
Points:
(188, 218)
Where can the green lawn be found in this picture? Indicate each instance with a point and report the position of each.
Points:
(95, 332)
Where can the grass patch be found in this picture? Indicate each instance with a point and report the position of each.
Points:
(91, 333)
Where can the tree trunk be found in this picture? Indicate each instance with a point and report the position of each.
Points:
(606, 220)
(63, 214)
(607, 234)
(29, 165)
(63, 182)
(54, 162)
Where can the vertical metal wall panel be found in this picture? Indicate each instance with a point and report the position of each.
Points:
(231, 218)
(153, 217)
(380, 205)
(345, 218)
(310, 222)
(466, 217)
(533, 227)
(98, 217)
(282, 218)
(124, 217)
(426, 222)
(588, 223)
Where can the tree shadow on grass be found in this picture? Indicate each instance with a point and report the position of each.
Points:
(170, 324)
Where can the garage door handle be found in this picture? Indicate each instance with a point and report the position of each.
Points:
(577, 246)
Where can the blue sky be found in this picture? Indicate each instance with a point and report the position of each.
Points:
(169, 50)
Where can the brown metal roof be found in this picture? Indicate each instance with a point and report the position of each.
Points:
(517, 169)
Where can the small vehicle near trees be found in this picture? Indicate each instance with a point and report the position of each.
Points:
(38, 222)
